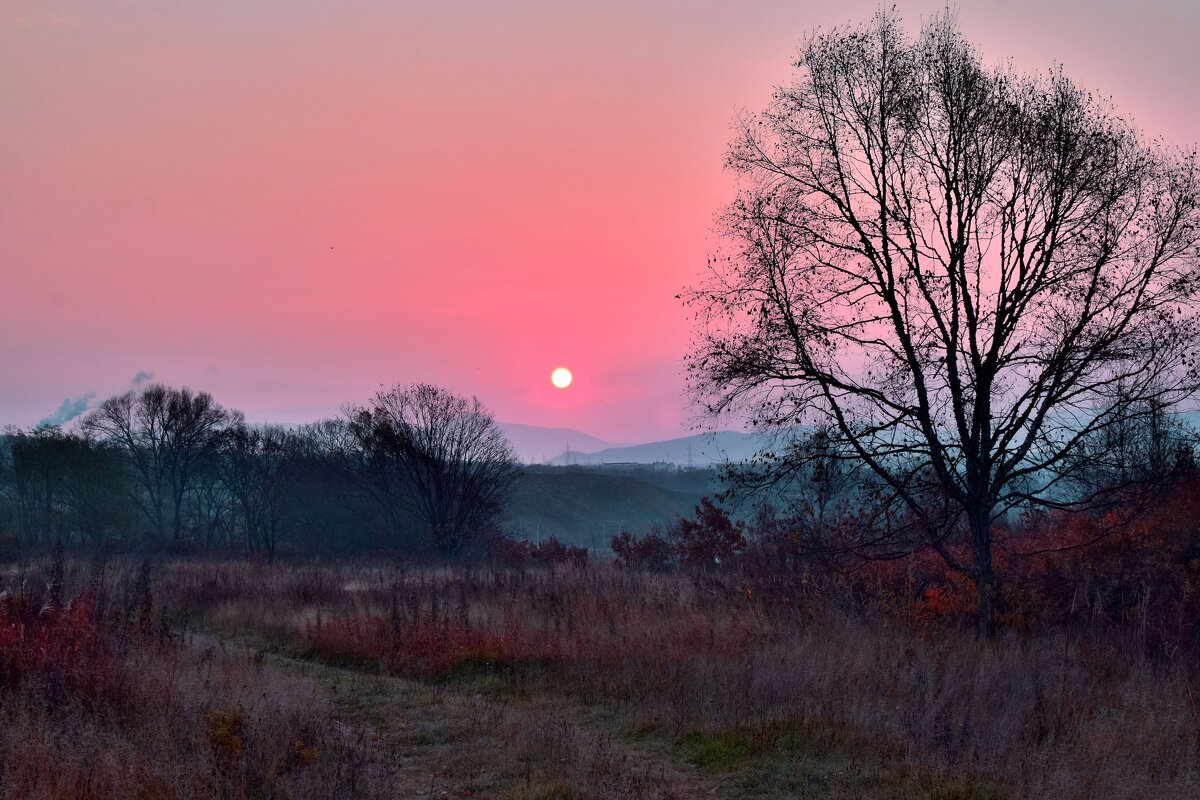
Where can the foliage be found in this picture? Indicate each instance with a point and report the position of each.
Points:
(650, 552)
(420, 472)
(62, 653)
(425, 648)
(708, 540)
(59, 484)
(552, 552)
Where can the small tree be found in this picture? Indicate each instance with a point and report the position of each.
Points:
(964, 273)
(437, 456)
(652, 551)
(708, 539)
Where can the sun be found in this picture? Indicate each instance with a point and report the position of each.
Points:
(561, 377)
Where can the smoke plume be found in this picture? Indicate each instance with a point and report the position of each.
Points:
(71, 408)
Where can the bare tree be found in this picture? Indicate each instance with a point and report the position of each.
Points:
(164, 434)
(333, 506)
(438, 456)
(255, 466)
(966, 273)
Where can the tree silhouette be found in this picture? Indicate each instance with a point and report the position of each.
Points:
(164, 434)
(965, 274)
(429, 453)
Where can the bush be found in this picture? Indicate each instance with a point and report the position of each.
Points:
(61, 654)
(425, 649)
(511, 552)
(552, 552)
(709, 540)
(651, 552)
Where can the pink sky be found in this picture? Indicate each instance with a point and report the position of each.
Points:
(290, 203)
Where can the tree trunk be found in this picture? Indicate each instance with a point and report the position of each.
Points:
(986, 595)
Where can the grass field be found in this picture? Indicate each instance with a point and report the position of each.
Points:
(235, 680)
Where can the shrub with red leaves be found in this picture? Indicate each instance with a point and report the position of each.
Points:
(512, 552)
(427, 649)
(1133, 571)
(710, 539)
(504, 550)
(651, 552)
(1138, 568)
(62, 654)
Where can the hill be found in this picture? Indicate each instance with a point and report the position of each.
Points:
(588, 506)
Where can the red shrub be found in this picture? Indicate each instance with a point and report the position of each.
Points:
(61, 653)
(1133, 571)
(512, 552)
(428, 649)
(505, 550)
(710, 539)
(1134, 567)
(651, 552)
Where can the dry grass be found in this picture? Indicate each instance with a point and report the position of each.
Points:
(103, 706)
(572, 683)
(735, 687)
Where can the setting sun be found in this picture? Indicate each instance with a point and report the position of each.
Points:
(561, 377)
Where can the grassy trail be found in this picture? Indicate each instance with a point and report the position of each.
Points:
(479, 735)
(452, 741)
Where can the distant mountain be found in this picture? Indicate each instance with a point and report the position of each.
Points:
(704, 449)
(535, 444)
(699, 450)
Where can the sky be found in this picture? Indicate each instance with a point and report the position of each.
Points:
(290, 204)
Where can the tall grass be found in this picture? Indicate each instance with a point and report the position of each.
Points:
(99, 700)
(1067, 713)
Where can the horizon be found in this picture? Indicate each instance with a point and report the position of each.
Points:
(289, 210)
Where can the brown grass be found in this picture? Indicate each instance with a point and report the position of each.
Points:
(1060, 714)
(347, 681)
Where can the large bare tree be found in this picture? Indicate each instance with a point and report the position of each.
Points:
(432, 454)
(965, 273)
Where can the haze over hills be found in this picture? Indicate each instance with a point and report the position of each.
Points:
(535, 444)
(570, 447)
(589, 505)
(699, 450)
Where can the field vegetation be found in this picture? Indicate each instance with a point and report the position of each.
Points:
(723, 667)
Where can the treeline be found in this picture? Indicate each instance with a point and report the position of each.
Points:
(416, 470)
